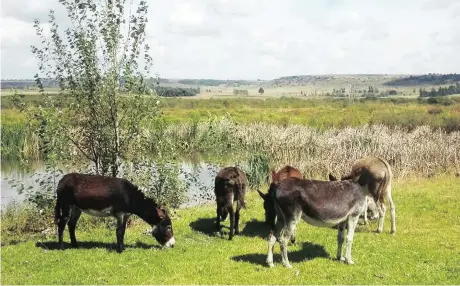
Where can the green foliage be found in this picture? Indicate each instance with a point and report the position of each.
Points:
(442, 91)
(257, 170)
(176, 91)
(429, 79)
(94, 63)
(21, 221)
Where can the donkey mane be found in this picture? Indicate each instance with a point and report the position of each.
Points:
(141, 202)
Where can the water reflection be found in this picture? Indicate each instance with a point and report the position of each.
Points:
(197, 176)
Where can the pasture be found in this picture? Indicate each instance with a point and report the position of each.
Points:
(425, 249)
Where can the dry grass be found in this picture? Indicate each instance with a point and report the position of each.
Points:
(422, 151)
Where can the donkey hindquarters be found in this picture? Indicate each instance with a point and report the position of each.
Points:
(319, 203)
(229, 187)
(376, 173)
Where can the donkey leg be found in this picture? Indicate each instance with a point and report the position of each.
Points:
(340, 240)
(283, 247)
(62, 221)
(365, 211)
(286, 235)
(352, 222)
(382, 210)
(293, 235)
(237, 220)
(392, 211)
(218, 229)
(74, 216)
(271, 247)
(231, 213)
(121, 227)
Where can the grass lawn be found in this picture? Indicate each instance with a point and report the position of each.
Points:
(425, 250)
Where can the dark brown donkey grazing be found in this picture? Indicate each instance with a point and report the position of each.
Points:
(230, 186)
(107, 196)
(284, 173)
(376, 173)
(319, 203)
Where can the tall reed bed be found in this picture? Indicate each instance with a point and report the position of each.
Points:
(422, 151)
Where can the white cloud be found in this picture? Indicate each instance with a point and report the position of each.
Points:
(271, 38)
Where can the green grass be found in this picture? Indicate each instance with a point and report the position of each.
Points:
(425, 250)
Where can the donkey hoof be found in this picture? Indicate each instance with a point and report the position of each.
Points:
(270, 264)
(237, 232)
(340, 258)
(349, 261)
(287, 265)
(393, 232)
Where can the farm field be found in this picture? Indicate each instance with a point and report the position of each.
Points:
(425, 249)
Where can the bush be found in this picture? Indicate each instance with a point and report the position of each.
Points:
(257, 170)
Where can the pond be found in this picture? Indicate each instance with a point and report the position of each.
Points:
(198, 177)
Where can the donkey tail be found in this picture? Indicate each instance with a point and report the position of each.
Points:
(240, 199)
(386, 184)
(57, 211)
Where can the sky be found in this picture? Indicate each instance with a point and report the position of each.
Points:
(266, 39)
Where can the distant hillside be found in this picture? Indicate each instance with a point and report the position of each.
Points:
(429, 79)
(214, 82)
(358, 80)
(361, 79)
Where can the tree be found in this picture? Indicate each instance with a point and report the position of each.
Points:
(261, 91)
(101, 63)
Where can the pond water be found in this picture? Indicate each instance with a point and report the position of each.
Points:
(198, 177)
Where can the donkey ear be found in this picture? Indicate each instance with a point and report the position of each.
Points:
(332, 178)
(262, 195)
(160, 212)
(274, 177)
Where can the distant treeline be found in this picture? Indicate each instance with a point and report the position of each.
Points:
(52, 83)
(429, 79)
(28, 83)
(441, 91)
(212, 82)
(176, 91)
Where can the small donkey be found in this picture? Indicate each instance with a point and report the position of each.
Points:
(230, 186)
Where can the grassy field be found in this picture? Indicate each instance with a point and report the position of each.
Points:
(425, 250)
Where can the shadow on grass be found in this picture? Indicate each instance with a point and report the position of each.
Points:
(204, 225)
(208, 226)
(53, 245)
(309, 251)
(255, 228)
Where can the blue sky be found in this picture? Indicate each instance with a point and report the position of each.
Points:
(265, 39)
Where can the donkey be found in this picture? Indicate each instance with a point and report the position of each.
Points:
(285, 172)
(376, 173)
(371, 210)
(319, 203)
(107, 196)
(230, 186)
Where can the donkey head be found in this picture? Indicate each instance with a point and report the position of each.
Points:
(163, 231)
(269, 203)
